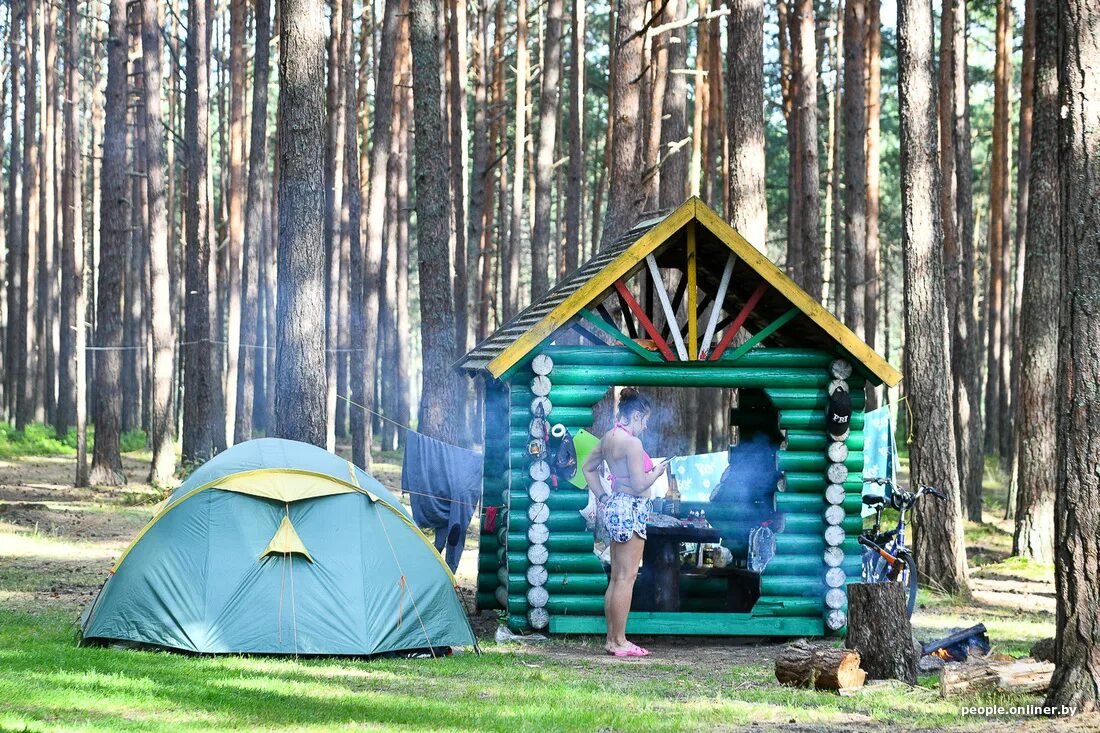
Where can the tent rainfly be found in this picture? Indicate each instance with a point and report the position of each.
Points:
(279, 547)
(662, 307)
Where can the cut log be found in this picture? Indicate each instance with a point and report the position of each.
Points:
(879, 629)
(1018, 676)
(820, 666)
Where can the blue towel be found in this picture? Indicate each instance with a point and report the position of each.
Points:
(444, 483)
(880, 454)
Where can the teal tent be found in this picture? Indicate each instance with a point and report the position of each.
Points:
(279, 547)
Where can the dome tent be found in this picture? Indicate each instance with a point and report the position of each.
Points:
(280, 547)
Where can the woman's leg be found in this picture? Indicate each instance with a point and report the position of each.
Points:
(625, 558)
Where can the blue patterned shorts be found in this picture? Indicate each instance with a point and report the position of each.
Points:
(625, 515)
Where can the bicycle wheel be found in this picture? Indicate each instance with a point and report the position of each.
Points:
(908, 578)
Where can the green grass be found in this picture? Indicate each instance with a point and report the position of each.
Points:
(47, 681)
(42, 440)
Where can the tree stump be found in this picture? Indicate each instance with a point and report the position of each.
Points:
(879, 629)
(824, 667)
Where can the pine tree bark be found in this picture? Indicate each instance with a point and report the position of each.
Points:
(235, 200)
(855, 165)
(998, 216)
(464, 260)
(300, 407)
(574, 192)
(14, 225)
(510, 258)
(47, 212)
(549, 91)
(937, 527)
(74, 332)
(808, 268)
(437, 408)
(198, 354)
(1076, 679)
(479, 184)
(351, 323)
(624, 193)
(872, 268)
(334, 229)
(115, 239)
(163, 357)
(966, 342)
(27, 364)
(674, 157)
(1036, 421)
(250, 358)
(745, 121)
(839, 284)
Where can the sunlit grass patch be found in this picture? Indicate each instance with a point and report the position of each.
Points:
(1020, 567)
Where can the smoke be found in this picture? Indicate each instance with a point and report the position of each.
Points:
(751, 475)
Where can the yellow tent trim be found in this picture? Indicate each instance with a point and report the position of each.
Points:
(286, 541)
(246, 478)
(693, 210)
(285, 487)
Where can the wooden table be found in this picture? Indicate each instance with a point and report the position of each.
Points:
(661, 563)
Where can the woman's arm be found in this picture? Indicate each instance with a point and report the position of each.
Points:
(591, 470)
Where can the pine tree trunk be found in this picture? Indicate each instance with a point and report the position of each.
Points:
(966, 341)
(73, 329)
(1036, 420)
(674, 157)
(47, 213)
(872, 269)
(839, 282)
(997, 222)
(1076, 679)
(459, 145)
(855, 166)
(544, 165)
(808, 268)
(160, 308)
(27, 335)
(624, 195)
(479, 184)
(106, 461)
(745, 96)
(402, 317)
(351, 253)
(198, 354)
(250, 360)
(938, 541)
(437, 401)
(238, 11)
(300, 409)
(334, 229)
(510, 262)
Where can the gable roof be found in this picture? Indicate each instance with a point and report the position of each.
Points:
(595, 279)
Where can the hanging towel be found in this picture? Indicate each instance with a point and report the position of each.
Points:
(444, 483)
(880, 454)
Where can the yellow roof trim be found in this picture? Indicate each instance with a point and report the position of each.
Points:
(286, 541)
(592, 289)
(796, 295)
(694, 209)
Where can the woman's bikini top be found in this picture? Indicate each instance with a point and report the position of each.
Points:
(647, 462)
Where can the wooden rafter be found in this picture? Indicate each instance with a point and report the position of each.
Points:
(692, 295)
(631, 329)
(616, 334)
(647, 324)
(719, 300)
(677, 298)
(765, 332)
(670, 314)
(739, 320)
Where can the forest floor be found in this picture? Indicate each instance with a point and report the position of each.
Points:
(57, 544)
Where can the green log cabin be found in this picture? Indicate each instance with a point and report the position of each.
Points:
(661, 307)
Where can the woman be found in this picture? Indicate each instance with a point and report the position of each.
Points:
(624, 510)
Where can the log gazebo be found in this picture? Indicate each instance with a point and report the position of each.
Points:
(689, 275)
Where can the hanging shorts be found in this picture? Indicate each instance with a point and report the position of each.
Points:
(625, 515)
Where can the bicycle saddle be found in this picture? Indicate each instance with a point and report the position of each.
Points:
(873, 500)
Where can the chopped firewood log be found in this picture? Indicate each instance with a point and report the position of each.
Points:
(1018, 676)
(820, 666)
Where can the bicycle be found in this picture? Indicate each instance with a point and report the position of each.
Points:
(886, 559)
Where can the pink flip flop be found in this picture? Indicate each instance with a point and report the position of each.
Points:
(631, 651)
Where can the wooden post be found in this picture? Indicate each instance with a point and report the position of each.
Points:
(879, 629)
(692, 295)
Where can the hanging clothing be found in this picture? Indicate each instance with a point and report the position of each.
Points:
(444, 483)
